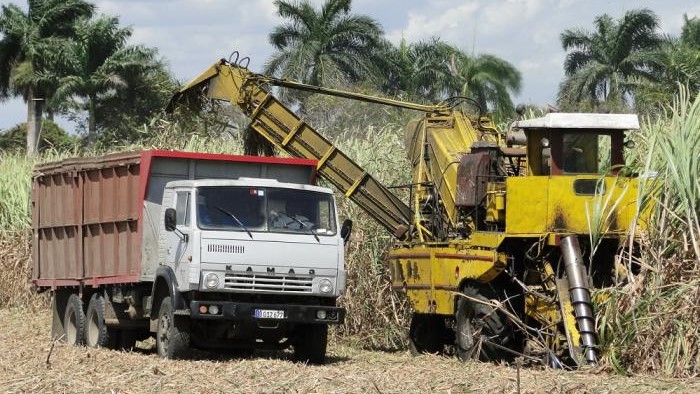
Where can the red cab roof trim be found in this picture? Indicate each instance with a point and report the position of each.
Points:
(234, 158)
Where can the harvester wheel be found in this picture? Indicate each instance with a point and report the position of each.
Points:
(480, 330)
(173, 335)
(74, 321)
(427, 334)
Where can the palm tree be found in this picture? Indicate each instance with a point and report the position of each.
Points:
(676, 62)
(690, 34)
(418, 70)
(102, 63)
(328, 47)
(605, 64)
(31, 47)
(486, 79)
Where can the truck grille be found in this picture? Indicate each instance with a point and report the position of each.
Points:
(223, 248)
(272, 283)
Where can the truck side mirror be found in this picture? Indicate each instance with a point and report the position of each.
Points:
(345, 230)
(170, 216)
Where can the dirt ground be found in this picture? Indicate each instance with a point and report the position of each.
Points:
(25, 345)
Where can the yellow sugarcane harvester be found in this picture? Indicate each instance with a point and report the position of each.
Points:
(504, 234)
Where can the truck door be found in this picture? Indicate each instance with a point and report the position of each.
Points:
(179, 250)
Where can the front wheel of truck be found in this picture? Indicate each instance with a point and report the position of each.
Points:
(310, 342)
(173, 335)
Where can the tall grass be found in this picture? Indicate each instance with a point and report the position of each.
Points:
(652, 323)
(377, 316)
(15, 179)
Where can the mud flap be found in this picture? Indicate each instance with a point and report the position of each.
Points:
(58, 310)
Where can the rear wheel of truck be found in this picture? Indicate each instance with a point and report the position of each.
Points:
(173, 335)
(74, 321)
(97, 334)
(310, 342)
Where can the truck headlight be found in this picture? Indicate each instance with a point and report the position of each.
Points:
(211, 281)
(325, 286)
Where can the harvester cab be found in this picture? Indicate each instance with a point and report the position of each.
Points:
(575, 143)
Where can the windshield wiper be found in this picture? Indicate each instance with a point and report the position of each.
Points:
(236, 219)
(303, 227)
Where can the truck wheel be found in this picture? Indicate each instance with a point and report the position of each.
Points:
(427, 334)
(74, 321)
(173, 335)
(310, 343)
(97, 334)
(479, 329)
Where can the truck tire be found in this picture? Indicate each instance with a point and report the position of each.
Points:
(310, 343)
(173, 334)
(97, 334)
(478, 327)
(427, 334)
(74, 321)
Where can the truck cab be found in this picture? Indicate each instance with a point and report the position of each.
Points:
(254, 253)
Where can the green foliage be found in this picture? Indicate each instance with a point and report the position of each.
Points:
(118, 85)
(488, 80)
(52, 137)
(676, 62)
(419, 71)
(32, 44)
(377, 315)
(604, 66)
(690, 33)
(15, 179)
(32, 47)
(329, 46)
(650, 324)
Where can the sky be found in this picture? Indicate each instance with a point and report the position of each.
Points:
(193, 34)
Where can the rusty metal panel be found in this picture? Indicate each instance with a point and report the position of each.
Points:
(472, 179)
(85, 219)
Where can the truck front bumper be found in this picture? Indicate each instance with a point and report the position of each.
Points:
(243, 311)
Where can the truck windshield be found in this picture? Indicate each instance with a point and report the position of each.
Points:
(263, 209)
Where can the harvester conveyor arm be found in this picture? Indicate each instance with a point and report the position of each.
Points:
(279, 125)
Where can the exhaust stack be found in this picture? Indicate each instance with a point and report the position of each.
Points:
(580, 296)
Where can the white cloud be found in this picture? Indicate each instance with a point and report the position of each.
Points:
(447, 23)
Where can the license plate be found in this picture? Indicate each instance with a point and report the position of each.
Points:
(269, 314)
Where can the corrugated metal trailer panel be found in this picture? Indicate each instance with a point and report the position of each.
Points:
(86, 220)
(91, 216)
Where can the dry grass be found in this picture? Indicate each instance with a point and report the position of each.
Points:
(16, 267)
(24, 339)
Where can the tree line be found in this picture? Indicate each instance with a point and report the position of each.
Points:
(61, 57)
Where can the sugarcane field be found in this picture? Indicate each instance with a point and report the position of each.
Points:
(338, 196)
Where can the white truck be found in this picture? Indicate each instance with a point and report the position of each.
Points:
(204, 251)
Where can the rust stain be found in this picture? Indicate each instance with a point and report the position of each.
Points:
(559, 219)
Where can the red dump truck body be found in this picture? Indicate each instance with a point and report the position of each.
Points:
(92, 217)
